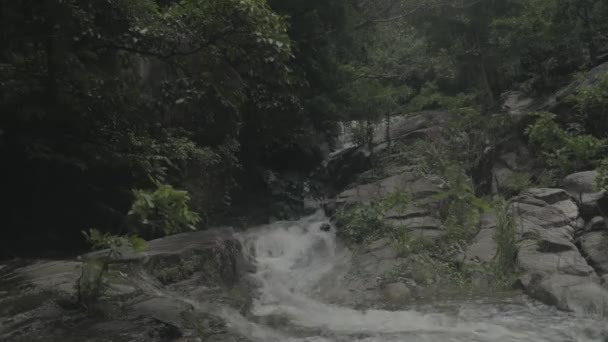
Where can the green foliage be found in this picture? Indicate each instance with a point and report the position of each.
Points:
(460, 207)
(101, 95)
(99, 240)
(365, 222)
(363, 133)
(542, 40)
(602, 178)
(506, 241)
(430, 97)
(92, 283)
(562, 150)
(591, 102)
(430, 273)
(516, 182)
(164, 209)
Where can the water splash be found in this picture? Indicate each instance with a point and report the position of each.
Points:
(297, 262)
(294, 257)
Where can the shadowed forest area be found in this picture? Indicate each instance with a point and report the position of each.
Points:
(113, 110)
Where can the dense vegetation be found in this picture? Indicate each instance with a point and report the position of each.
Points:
(109, 108)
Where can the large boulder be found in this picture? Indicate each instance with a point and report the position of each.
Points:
(553, 269)
(569, 293)
(148, 295)
(594, 245)
(582, 186)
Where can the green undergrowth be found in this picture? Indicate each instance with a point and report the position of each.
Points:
(365, 222)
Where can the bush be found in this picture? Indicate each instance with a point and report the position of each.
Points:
(362, 223)
(363, 133)
(164, 210)
(591, 103)
(560, 150)
(602, 177)
(516, 182)
(430, 97)
(460, 207)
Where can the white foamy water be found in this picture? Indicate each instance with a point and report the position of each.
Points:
(296, 260)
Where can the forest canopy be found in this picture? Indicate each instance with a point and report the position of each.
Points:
(108, 103)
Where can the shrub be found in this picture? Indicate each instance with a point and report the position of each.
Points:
(561, 150)
(459, 205)
(91, 284)
(164, 210)
(366, 222)
(516, 182)
(591, 103)
(602, 178)
(430, 97)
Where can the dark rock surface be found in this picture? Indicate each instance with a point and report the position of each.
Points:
(150, 296)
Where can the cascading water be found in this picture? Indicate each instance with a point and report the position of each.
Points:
(298, 263)
(300, 266)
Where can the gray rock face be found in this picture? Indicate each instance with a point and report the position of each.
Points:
(583, 188)
(368, 265)
(554, 270)
(569, 293)
(483, 248)
(597, 223)
(511, 170)
(343, 167)
(594, 246)
(396, 292)
(416, 217)
(548, 195)
(39, 299)
(518, 104)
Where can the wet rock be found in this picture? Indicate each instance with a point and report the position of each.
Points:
(553, 269)
(594, 246)
(325, 227)
(146, 299)
(396, 292)
(570, 293)
(381, 249)
(330, 207)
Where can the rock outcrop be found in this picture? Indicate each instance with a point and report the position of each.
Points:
(582, 186)
(554, 270)
(149, 296)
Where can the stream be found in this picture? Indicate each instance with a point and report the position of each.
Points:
(298, 264)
